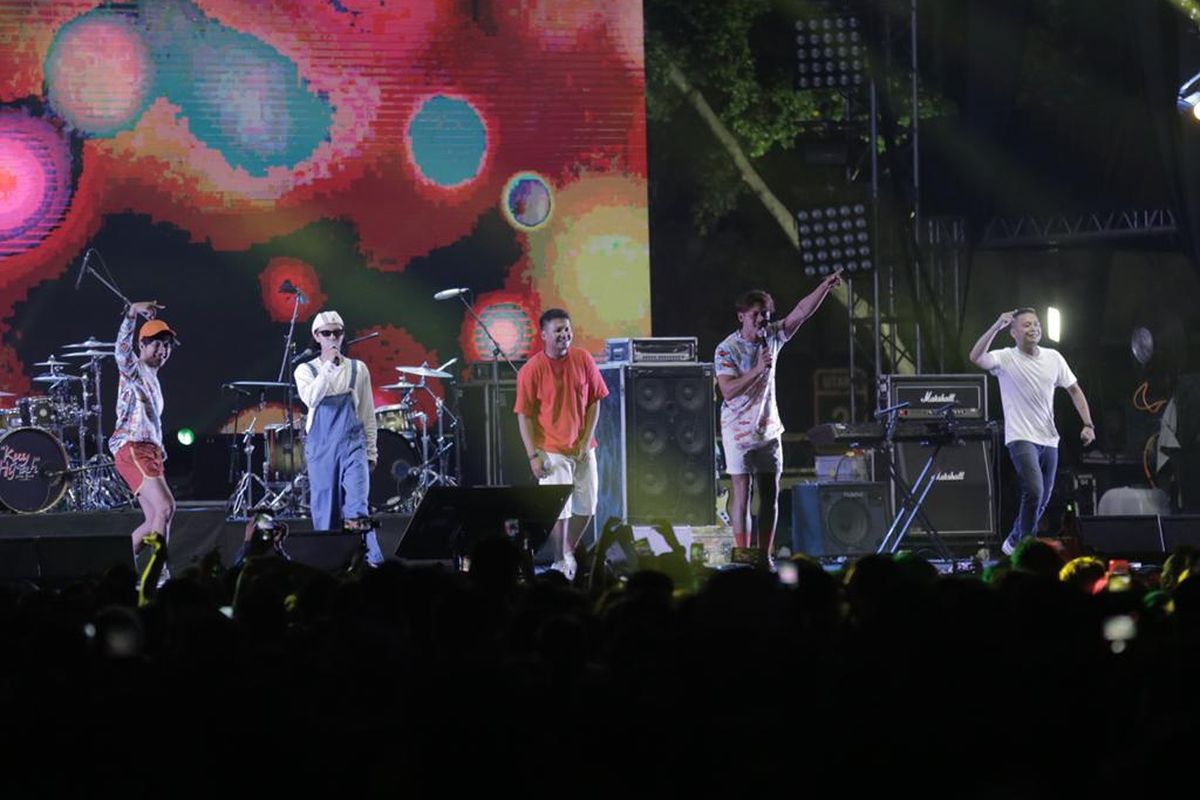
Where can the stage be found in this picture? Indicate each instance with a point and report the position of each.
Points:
(79, 543)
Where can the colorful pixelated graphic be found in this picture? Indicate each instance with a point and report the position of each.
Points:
(223, 155)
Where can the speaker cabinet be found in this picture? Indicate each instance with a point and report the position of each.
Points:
(1132, 535)
(838, 518)
(657, 454)
(480, 417)
(960, 504)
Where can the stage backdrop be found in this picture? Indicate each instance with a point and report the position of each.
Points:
(371, 153)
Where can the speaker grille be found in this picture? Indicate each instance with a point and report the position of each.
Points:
(657, 457)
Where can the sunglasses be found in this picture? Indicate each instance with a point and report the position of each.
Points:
(330, 334)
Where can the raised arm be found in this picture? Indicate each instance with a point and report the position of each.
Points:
(809, 304)
(126, 351)
(980, 356)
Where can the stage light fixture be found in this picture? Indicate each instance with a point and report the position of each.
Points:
(1053, 324)
(835, 237)
(1188, 100)
(830, 53)
(186, 436)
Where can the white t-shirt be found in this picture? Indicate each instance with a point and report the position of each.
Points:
(1027, 385)
(752, 417)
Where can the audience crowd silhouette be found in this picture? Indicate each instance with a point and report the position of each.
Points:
(1032, 678)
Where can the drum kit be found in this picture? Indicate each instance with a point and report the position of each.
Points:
(53, 453)
(414, 454)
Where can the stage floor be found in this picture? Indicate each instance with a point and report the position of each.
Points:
(195, 531)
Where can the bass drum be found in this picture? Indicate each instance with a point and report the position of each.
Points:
(396, 475)
(33, 468)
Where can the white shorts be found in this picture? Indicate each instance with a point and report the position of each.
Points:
(581, 474)
(761, 458)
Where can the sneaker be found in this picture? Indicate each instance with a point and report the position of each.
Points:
(1008, 547)
(566, 566)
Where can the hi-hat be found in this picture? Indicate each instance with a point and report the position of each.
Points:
(89, 354)
(395, 387)
(52, 362)
(92, 343)
(424, 372)
(55, 378)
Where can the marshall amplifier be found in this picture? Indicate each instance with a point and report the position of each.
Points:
(657, 349)
(928, 395)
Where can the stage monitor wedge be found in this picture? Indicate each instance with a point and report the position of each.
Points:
(450, 519)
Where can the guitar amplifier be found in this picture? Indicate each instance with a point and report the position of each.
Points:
(927, 395)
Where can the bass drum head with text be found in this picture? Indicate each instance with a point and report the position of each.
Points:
(395, 476)
(33, 469)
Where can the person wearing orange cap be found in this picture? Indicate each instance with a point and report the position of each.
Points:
(136, 442)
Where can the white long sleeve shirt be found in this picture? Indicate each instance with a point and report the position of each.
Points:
(317, 379)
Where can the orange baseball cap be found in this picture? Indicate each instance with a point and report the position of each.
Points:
(156, 326)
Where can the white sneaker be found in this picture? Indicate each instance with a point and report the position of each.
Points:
(566, 566)
(1008, 547)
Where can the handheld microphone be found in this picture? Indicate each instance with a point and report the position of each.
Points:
(446, 294)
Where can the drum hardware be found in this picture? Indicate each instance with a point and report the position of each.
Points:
(424, 371)
(399, 386)
(55, 379)
(242, 501)
(53, 363)
(90, 354)
(429, 470)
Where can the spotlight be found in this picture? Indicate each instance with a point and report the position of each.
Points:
(830, 53)
(833, 238)
(1188, 100)
(186, 436)
(1053, 324)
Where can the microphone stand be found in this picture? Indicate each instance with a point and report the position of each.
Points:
(288, 410)
(495, 461)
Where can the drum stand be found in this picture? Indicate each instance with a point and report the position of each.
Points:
(242, 501)
(99, 488)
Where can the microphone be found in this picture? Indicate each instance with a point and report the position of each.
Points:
(307, 354)
(83, 267)
(446, 294)
(362, 338)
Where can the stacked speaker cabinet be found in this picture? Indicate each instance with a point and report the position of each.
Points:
(657, 454)
(961, 503)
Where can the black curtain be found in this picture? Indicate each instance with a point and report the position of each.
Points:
(1156, 30)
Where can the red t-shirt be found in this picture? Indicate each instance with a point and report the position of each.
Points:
(555, 393)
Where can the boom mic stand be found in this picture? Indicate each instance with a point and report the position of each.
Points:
(495, 461)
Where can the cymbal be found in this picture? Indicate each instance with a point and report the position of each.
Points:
(91, 343)
(7, 394)
(395, 387)
(424, 372)
(53, 362)
(260, 384)
(89, 354)
(55, 378)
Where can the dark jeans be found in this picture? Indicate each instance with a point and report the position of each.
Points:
(1036, 465)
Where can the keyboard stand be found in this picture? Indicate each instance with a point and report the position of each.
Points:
(911, 498)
